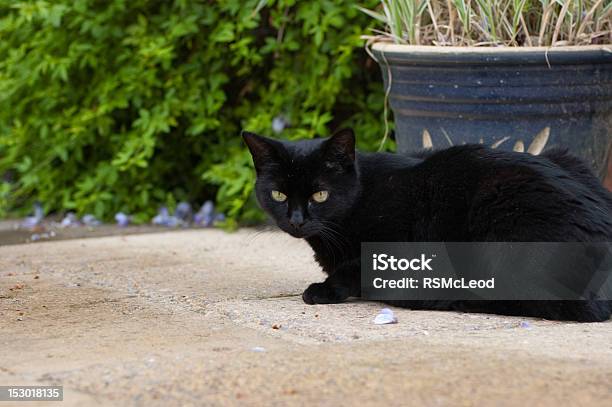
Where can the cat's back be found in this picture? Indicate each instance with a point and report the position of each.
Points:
(532, 198)
(381, 173)
(477, 166)
(375, 163)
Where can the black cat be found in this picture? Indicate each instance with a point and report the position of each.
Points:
(326, 192)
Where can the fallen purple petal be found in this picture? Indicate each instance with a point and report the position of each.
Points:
(70, 220)
(183, 211)
(164, 219)
(31, 222)
(206, 214)
(90, 220)
(39, 236)
(122, 219)
(208, 208)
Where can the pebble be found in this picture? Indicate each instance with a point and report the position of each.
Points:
(385, 316)
(38, 236)
(258, 349)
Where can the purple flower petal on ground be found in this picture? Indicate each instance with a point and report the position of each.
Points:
(164, 219)
(162, 216)
(183, 211)
(208, 208)
(35, 220)
(39, 213)
(205, 215)
(122, 219)
(90, 220)
(29, 222)
(172, 221)
(70, 220)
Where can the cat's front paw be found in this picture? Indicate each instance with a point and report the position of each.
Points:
(322, 293)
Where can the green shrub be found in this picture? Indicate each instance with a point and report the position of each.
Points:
(128, 105)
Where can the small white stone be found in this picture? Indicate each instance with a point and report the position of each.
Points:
(385, 316)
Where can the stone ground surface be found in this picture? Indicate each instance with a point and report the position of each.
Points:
(211, 318)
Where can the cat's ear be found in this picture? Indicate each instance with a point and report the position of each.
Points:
(262, 149)
(341, 145)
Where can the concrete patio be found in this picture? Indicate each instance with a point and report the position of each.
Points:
(214, 318)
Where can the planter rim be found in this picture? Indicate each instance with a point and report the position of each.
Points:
(388, 47)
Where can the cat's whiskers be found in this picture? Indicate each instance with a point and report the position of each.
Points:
(330, 248)
(258, 233)
(335, 239)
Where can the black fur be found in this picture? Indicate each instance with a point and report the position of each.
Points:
(461, 194)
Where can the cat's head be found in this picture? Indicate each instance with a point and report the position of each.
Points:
(306, 186)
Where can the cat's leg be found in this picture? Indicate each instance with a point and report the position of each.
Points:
(344, 282)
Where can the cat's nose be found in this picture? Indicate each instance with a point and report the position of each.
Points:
(297, 219)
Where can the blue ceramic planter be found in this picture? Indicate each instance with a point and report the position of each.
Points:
(503, 95)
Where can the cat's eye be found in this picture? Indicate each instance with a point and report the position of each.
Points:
(279, 196)
(320, 196)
